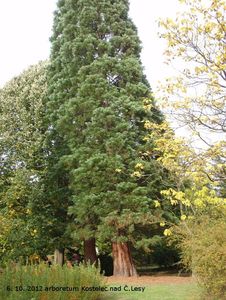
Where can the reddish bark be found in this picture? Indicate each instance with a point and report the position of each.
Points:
(90, 254)
(122, 260)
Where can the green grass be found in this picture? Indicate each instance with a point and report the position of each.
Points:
(185, 291)
(39, 282)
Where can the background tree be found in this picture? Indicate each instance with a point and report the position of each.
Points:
(27, 204)
(98, 106)
(22, 161)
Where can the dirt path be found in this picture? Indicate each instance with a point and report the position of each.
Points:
(154, 279)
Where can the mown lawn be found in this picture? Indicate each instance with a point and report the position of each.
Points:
(182, 291)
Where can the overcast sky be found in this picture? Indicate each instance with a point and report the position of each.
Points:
(25, 28)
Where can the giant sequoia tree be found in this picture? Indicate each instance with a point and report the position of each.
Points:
(99, 105)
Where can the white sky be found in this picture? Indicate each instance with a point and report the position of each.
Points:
(25, 28)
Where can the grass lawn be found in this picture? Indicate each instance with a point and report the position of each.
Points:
(185, 291)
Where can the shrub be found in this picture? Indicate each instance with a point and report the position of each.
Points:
(40, 282)
(203, 250)
(164, 255)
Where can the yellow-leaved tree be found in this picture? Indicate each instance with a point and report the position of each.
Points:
(200, 233)
(192, 173)
(195, 97)
(197, 41)
(196, 45)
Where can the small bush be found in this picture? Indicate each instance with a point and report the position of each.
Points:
(203, 246)
(40, 282)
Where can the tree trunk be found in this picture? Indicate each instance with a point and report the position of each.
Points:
(90, 254)
(122, 260)
(59, 257)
